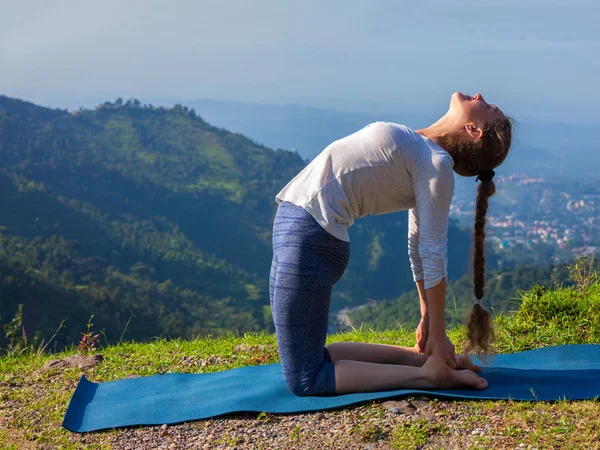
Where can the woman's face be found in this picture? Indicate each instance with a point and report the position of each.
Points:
(473, 110)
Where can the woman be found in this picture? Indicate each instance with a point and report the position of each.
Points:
(383, 168)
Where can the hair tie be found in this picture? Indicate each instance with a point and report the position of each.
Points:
(477, 301)
(485, 176)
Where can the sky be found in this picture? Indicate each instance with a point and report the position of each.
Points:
(537, 60)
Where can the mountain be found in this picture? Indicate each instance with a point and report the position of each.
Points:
(121, 209)
(306, 129)
(539, 148)
(158, 223)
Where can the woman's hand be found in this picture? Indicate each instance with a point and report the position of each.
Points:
(422, 334)
(441, 348)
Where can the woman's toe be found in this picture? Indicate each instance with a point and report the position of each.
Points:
(468, 378)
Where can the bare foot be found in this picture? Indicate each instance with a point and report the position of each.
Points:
(441, 376)
(464, 362)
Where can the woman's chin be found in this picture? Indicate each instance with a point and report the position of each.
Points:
(456, 100)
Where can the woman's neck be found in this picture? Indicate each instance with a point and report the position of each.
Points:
(438, 131)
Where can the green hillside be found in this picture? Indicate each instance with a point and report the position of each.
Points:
(502, 295)
(34, 398)
(152, 217)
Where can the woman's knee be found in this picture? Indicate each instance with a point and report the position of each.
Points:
(299, 386)
(300, 390)
(321, 382)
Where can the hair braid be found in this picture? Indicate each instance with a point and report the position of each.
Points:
(474, 158)
(485, 191)
(479, 329)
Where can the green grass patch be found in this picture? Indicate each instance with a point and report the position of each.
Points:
(551, 317)
(413, 435)
(33, 401)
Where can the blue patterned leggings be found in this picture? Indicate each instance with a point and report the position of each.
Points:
(307, 262)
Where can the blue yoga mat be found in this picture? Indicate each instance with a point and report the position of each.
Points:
(569, 372)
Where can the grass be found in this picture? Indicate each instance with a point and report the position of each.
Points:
(33, 402)
(415, 434)
(550, 316)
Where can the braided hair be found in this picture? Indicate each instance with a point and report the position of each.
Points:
(479, 158)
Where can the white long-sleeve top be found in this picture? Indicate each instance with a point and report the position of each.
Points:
(384, 167)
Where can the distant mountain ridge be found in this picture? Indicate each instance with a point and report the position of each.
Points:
(131, 209)
(551, 149)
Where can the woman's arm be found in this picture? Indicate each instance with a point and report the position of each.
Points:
(431, 331)
(438, 344)
(422, 331)
(433, 182)
(422, 297)
(436, 309)
(416, 265)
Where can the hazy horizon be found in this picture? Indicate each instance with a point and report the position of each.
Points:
(533, 60)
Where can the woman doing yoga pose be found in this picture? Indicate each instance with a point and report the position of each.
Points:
(382, 168)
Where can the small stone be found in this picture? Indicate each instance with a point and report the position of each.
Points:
(521, 445)
(54, 364)
(421, 404)
(83, 362)
(403, 407)
(164, 426)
